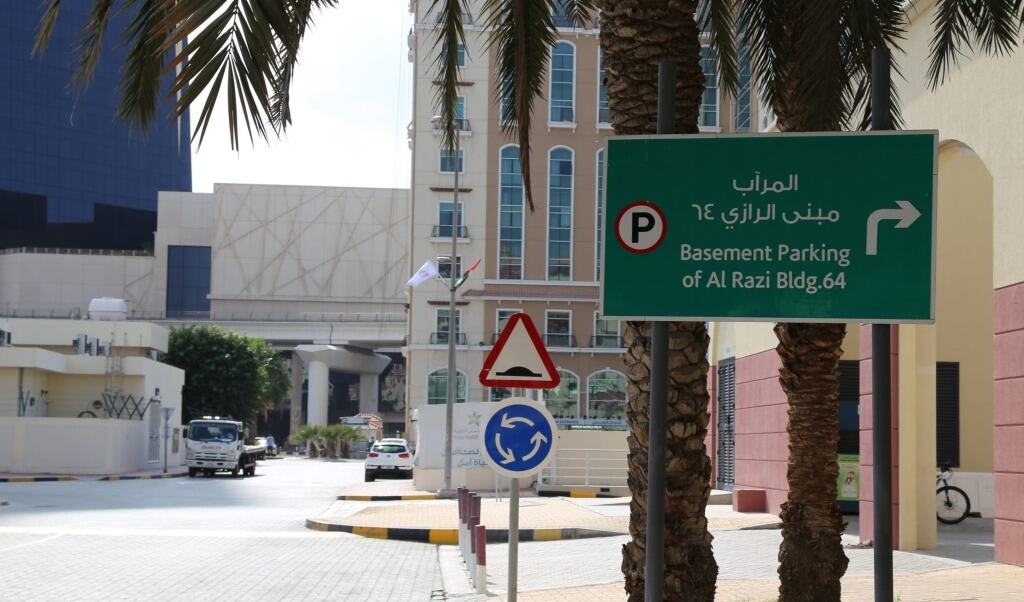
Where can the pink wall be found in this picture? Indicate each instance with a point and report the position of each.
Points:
(867, 504)
(1008, 428)
(762, 446)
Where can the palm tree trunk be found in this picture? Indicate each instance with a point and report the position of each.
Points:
(635, 36)
(811, 557)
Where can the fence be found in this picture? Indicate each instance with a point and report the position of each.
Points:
(586, 468)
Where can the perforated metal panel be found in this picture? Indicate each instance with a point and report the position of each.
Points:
(726, 469)
(947, 413)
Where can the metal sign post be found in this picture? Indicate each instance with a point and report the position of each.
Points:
(518, 440)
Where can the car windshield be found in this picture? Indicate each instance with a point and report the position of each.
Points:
(213, 433)
(389, 448)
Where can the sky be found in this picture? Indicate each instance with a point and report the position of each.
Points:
(351, 103)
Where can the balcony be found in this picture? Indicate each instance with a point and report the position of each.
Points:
(607, 341)
(560, 340)
(461, 124)
(443, 233)
(441, 338)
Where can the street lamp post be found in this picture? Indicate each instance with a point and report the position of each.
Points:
(452, 288)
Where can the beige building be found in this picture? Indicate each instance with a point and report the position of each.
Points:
(86, 397)
(546, 262)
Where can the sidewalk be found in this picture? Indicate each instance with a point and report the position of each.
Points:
(989, 582)
(549, 518)
(174, 472)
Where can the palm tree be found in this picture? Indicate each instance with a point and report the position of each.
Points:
(813, 61)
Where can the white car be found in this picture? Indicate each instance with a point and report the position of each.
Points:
(388, 456)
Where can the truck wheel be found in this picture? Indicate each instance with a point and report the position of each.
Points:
(251, 471)
(370, 476)
(191, 472)
(234, 471)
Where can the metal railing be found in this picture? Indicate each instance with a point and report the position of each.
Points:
(441, 338)
(606, 341)
(586, 468)
(72, 251)
(445, 231)
(195, 316)
(461, 124)
(560, 340)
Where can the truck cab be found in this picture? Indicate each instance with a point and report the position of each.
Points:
(216, 444)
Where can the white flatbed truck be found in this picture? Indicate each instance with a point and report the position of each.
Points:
(215, 444)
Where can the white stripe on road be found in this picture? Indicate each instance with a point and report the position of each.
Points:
(236, 534)
(32, 543)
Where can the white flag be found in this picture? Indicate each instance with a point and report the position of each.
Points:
(426, 272)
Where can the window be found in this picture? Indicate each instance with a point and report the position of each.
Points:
(742, 115)
(444, 267)
(444, 219)
(503, 318)
(947, 413)
(437, 387)
(598, 214)
(563, 76)
(510, 216)
(188, 280)
(606, 332)
(460, 58)
(709, 103)
(452, 162)
(606, 395)
(604, 114)
(441, 320)
(558, 328)
(560, 15)
(560, 214)
(564, 400)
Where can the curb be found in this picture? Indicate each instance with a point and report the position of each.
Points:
(143, 477)
(451, 536)
(388, 498)
(37, 479)
(576, 493)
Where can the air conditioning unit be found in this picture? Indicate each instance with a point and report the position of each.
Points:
(92, 347)
(5, 338)
(103, 349)
(80, 344)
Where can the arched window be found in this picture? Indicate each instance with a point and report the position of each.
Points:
(560, 213)
(510, 215)
(708, 116)
(564, 400)
(604, 114)
(606, 395)
(563, 79)
(437, 387)
(599, 214)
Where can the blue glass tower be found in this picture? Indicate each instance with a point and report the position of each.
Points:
(71, 173)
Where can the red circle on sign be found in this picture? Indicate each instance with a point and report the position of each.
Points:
(657, 243)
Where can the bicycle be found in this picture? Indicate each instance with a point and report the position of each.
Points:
(953, 503)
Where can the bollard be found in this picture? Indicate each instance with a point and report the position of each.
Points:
(471, 559)
(480, 538)
(463, 533)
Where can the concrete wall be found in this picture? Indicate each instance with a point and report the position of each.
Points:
(72, 446)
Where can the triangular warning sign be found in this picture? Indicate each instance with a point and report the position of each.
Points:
(519, 358)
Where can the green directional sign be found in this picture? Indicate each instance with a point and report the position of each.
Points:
(781, 227)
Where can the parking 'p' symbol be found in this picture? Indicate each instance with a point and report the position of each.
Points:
(640, 227)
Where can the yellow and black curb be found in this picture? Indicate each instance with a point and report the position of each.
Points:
(389, 498)
(451, 536)
(588, 493)
(143, 477)
(47, 479)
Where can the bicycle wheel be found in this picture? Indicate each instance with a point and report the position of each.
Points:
(953, 505)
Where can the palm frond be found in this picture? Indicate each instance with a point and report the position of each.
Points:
(45, 29)
(996, 25)
(90, 45)
(580, 12)
(523, 32)
(300, 21)
(717, 18)
(952, 24)
(142, 72)
(760, 27)
(870, 24)
(450, 36)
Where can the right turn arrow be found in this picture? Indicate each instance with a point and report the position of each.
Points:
(907, 214)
